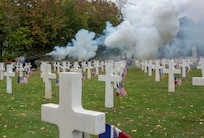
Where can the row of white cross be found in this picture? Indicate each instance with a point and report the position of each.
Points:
(71, 118)
(171, 68)
(111, 72)
(9, 73)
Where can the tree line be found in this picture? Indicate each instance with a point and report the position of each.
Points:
(33, 27)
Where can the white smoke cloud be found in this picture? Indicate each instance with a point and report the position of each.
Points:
(83, 47)
(190, 35)
(147, 26)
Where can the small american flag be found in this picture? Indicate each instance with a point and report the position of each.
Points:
(83, 77)
(123, 91)
(57, 83)
(93, 73)
(179, 82)
(23, 80)
(117, 90)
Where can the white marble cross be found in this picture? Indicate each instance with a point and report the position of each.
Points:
(47, 76)
(183, 66)
(102, 64)
(2, 69)
(171, 71)
(27, 67)
(164, 62)
(58, 67)
(9, 74)
(142, 64)
(189, 63)
(201, 66)
(89, 67)
(71, 118)
(64, 66)
(145, 66)
(43, 68)
(150, 65)
(76, 67)
(137, 63)
(55, 66)
(109, 79)
(83, 66)
(116, 68)
(199, 81)
(157, 70)
(20, 70)
(96, 66)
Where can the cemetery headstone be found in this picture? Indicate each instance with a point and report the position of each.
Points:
(198, 81)
(89, 67)
(9, 74)
(2, 69)
(171, 71)
(20, 70)
(109, 79)
(47, 76)
(96, 66)
(183, 66)
(145, 66)
(158, 70)
(64, 66)
(150, 67)
(76, 67)
(71, 118)
(55, 66)
(201, 66)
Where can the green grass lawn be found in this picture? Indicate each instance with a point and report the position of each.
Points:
(148, 110)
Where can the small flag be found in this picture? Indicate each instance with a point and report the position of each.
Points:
(175, 80)
(28, 74)
(57, 83)
(123, 76)
(93, 73)
(83, 77)
(22, 80)
(179, 82)
(113, 132)
(117, 90)
(115, 135)
(19, 79)
(123, 91)
(124, 135)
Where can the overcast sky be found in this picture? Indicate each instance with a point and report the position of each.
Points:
(192, 8)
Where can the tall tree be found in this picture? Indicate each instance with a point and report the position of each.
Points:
(100, 12)
(4, 27)
(43, 19)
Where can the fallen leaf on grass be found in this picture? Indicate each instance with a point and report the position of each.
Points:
(134, 130)
(23, 114)
(32, 132)
(16, 126)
